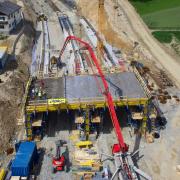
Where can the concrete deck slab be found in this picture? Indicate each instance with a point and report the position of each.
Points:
(71, 87)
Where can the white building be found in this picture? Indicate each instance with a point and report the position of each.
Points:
(10, 16)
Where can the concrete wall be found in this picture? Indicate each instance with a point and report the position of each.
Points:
(10, 22)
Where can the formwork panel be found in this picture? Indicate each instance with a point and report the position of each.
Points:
(80, 87)
(80, 91)
(120, 85)
(55, 88)
(125, 85)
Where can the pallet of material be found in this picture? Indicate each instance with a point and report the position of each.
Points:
(74, 136)
(79, 120)
(37, 123)
(96, 167)
(137, 116)
(84, 175)
(84, 155)
(96, 119)
(37, 138)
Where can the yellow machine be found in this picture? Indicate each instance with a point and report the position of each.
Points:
(87, 123)
(2, 174)
(84, 144)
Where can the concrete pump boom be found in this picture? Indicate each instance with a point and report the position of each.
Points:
(121, 146)
(123, 161)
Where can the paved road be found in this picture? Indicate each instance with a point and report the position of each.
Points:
(139, 27)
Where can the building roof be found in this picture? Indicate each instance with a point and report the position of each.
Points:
(7, 7)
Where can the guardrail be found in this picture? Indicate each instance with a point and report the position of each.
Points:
(83, 100)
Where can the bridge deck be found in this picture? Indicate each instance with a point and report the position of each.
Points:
(121, 84)
(78, 91)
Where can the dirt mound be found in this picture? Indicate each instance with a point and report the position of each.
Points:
(100, 20)
(14, 80)
(11, 93)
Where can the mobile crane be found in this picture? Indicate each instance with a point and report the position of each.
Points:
(123, 161)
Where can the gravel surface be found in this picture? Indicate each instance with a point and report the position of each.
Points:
(58, 127)
(162, 57)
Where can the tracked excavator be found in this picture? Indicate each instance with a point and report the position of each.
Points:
(125, 168)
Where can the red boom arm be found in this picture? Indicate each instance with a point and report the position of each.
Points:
(121, 147)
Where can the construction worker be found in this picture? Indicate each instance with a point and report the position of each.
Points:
(33, 93)
(36, 91)
(44, 94)
(42, 84)
(39, 94)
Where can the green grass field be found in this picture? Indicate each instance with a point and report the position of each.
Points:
(150, 6)
(159, 14)
(166, 36)
(163, 19)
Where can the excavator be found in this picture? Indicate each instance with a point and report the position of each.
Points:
(125, 168)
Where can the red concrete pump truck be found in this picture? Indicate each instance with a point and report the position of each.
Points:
(123, 161)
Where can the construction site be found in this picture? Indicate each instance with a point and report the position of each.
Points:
(94, 106)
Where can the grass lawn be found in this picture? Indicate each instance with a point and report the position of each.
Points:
(149, 6)
(159, 14)
(164, 19)
(166, 36)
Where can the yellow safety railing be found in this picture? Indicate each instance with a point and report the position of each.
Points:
(81, 100)
(29, 127)
(99, 102)
(21, 114)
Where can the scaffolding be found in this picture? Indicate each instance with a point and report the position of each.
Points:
(128, 89)
(41, 106)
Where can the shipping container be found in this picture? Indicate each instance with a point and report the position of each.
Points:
(24, 159)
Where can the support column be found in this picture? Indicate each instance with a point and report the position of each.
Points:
(145, 118)
(28, 124)
(87, 124)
